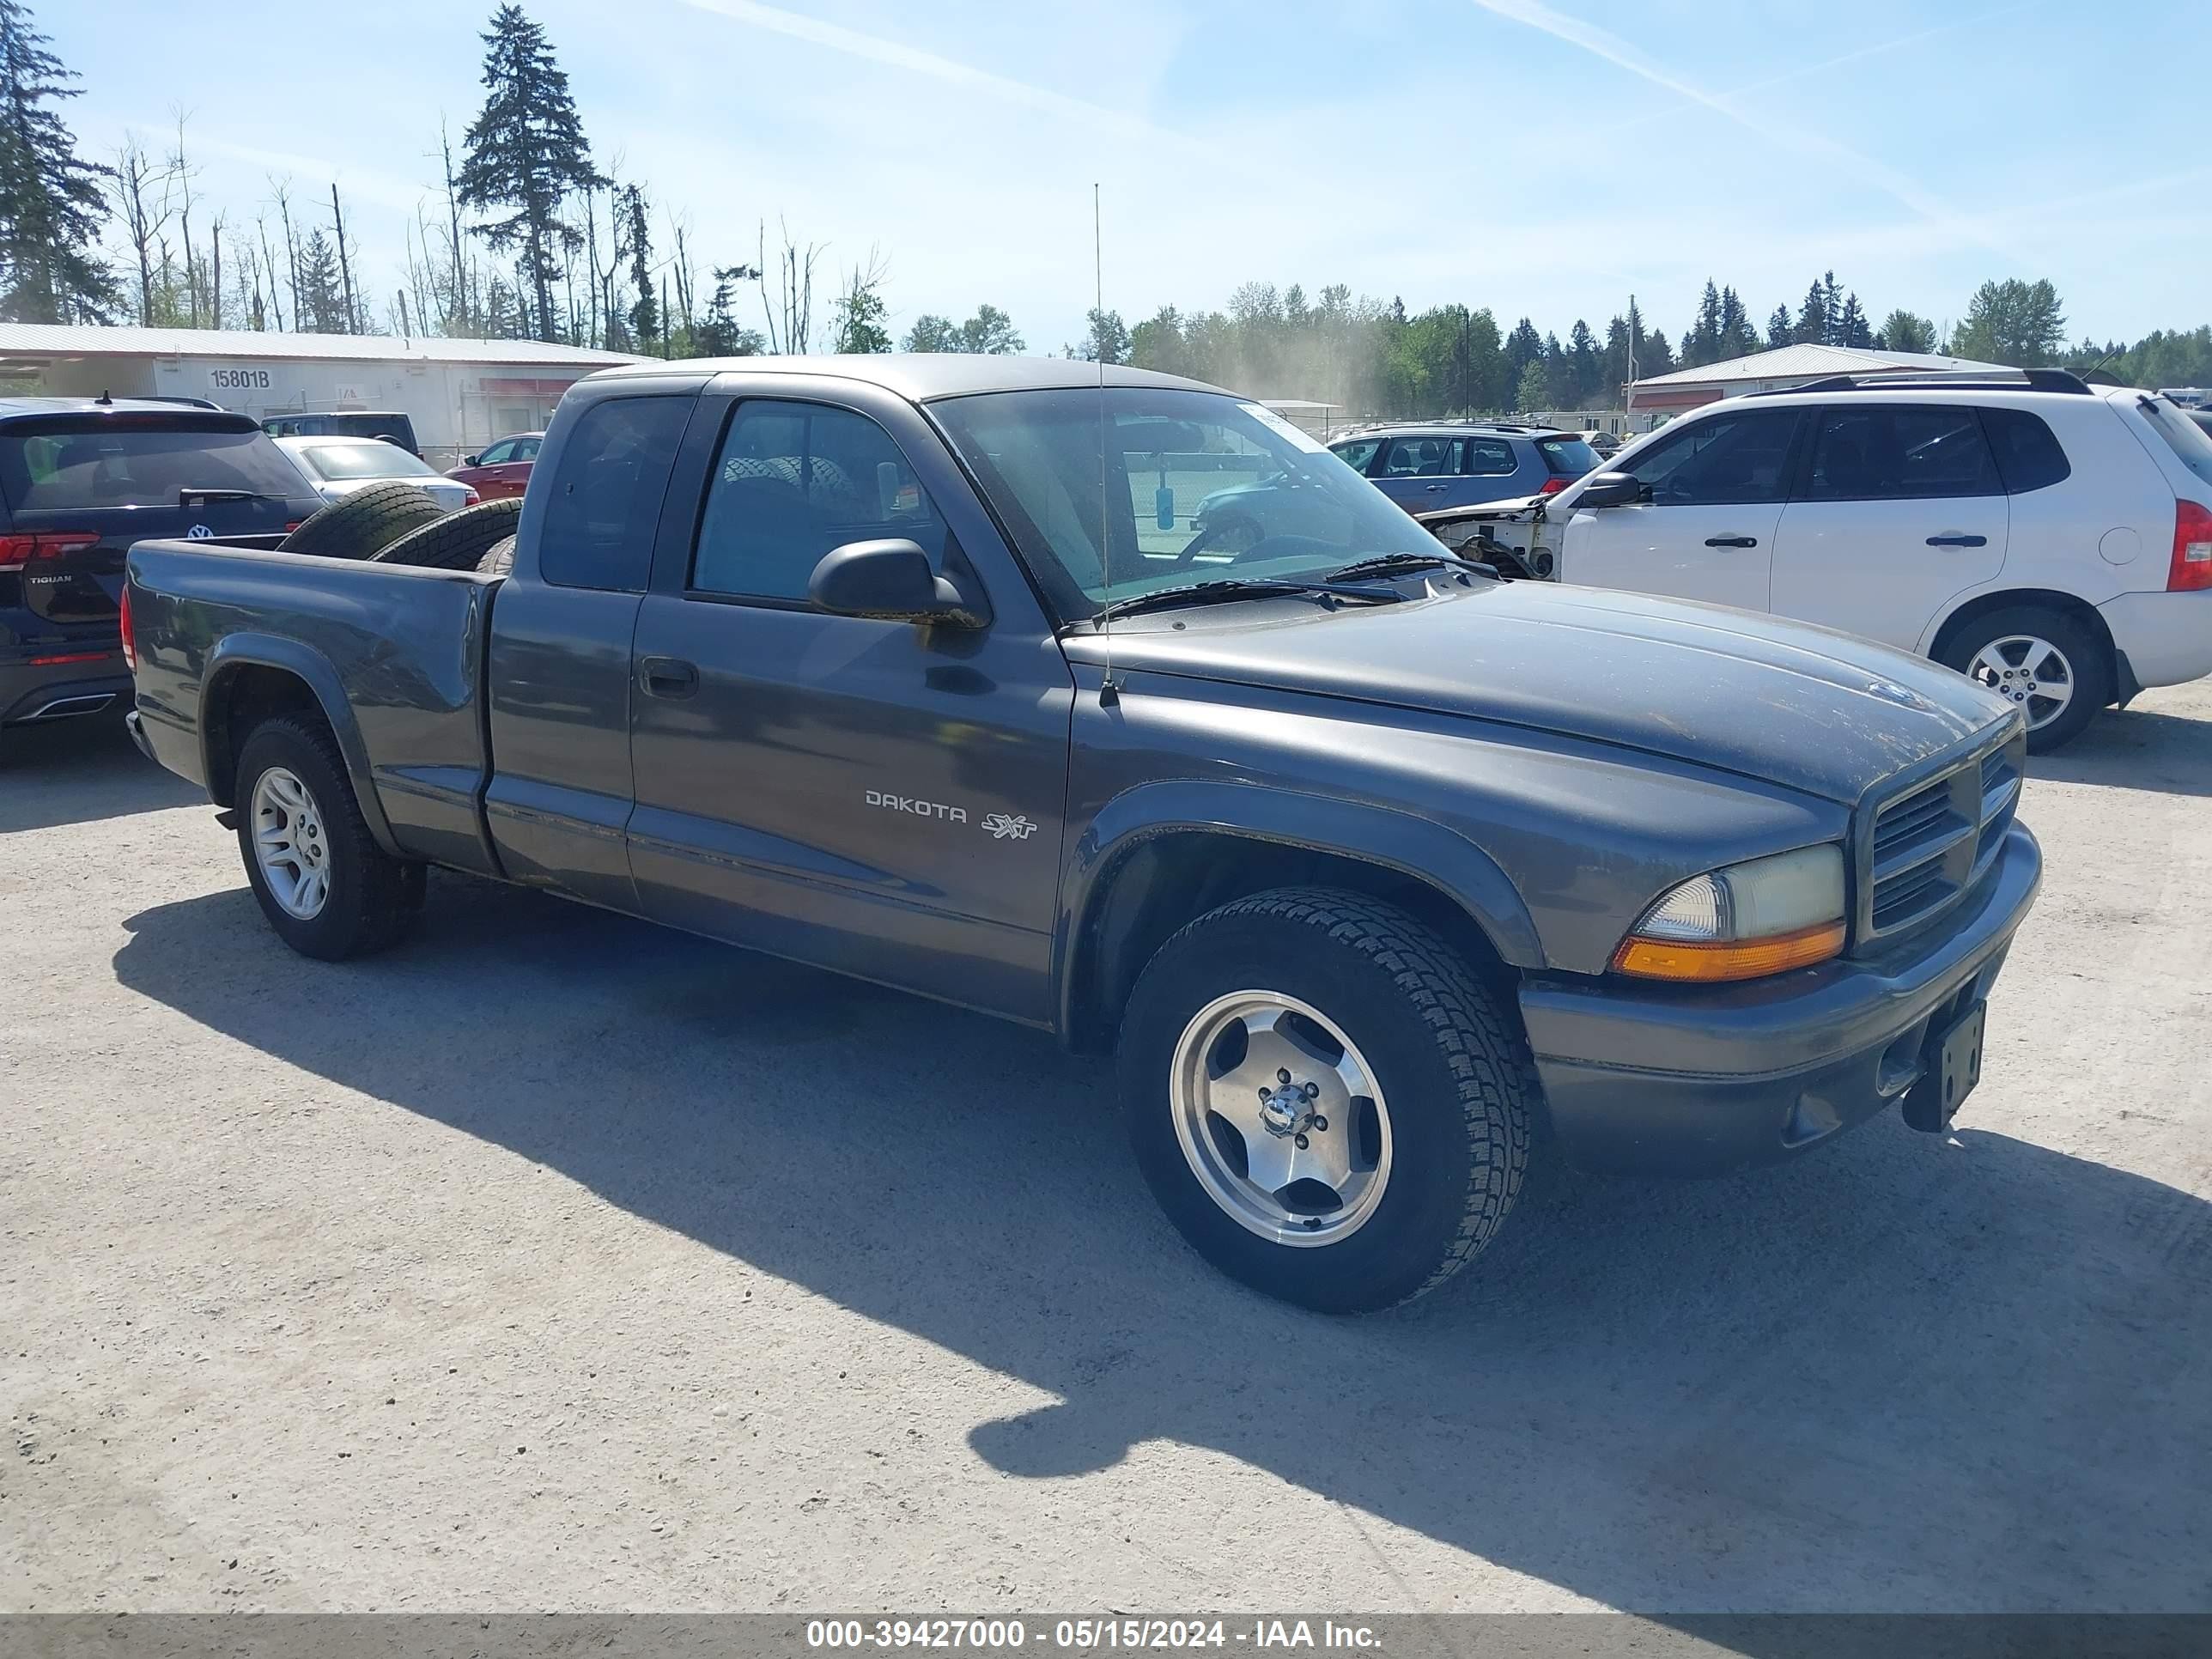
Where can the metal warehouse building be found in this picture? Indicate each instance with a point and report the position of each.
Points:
(461, 394)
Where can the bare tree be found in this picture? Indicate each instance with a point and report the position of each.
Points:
(140, 187)
(792, 329)
(183, 170)
(282, 193)
(268, 270)
(356, 323)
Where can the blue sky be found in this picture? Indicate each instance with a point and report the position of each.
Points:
(1544, 157)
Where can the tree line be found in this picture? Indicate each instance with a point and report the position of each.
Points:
(531, 235)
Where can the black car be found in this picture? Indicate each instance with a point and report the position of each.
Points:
(80, 482)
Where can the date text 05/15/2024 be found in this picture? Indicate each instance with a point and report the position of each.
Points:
(1089, 1635)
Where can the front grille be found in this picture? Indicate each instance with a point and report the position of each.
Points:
(1930, 844)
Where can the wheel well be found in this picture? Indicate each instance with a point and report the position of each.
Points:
(237, 702)
(2067, 604)
(1168, 880)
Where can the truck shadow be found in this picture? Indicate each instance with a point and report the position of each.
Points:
(2136, 749)
(1901, 1374)
(76, 771)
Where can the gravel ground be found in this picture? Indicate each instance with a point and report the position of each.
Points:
(555, 1261)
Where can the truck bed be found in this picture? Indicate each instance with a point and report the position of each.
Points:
(392, 653)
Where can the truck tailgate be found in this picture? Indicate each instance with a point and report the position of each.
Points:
(392, 653)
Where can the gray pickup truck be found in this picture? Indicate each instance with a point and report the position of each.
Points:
(1368, 871)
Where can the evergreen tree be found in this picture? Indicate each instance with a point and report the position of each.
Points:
(526, 151)
(51, 202)
(2013, 322)
(320, 294)
(1903, 331)
(1851, 329)
(1654, 356)
(1780, 331)
(645, 311)
(1523, 346)
(1816, 323)
(1737, 336)
(1534, 390)
(1583, 368)
(1702, 344)
(719, 334)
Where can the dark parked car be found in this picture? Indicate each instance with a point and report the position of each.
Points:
(1350, 865)
(80, 481)
(388, 424)
(503, 468)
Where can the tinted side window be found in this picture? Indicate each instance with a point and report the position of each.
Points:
(526, 449)
(1359, 454)
(1725, 459)
(2028, 456)
(503, 450)
(792, 482)
(1420, 458)
(1900, 454)
(606, 498)
(1488, 458)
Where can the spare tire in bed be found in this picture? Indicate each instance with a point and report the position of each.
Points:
(364, 523)
(459, 540)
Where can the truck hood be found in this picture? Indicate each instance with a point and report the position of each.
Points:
(1824, 713)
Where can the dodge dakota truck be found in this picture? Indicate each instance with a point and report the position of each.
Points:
(1365, 871)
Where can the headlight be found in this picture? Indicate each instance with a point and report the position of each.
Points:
(1750, 920)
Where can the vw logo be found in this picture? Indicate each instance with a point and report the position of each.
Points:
(199, 533)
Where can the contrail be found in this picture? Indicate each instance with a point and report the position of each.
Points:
(1612, 49)
(856, 43)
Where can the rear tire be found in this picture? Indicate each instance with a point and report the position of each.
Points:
(363, 524)
(1408, 1057)
(458, 541)
(297, 818)
(2043, 661)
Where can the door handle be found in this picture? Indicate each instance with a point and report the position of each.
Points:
(1433, 489)
(1958, 541)
(1731, 541)
(666, 677)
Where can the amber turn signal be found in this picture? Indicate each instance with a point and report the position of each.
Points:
(1716, 963)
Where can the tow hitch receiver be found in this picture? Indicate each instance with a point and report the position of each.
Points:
(1954, 1067)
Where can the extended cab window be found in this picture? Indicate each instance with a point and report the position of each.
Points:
(794, 480)
(1900, 454)
(1723, 460)
(605, 502)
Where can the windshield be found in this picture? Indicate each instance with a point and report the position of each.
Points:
(372, 458)
(1198, 486)
(115, 461)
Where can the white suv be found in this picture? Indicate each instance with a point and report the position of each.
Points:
(2051, 539)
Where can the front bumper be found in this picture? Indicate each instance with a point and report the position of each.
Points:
(1700, 1082)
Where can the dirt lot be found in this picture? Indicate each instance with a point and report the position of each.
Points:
(554, 1261)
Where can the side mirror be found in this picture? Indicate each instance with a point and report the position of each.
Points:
(471, 460)
(888, 579)
(1609, 489)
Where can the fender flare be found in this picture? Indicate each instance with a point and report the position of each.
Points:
(236, 651)
(1412, 845)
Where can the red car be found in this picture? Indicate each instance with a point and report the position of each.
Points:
(503, 469)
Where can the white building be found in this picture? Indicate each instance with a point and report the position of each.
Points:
(1663, 396)
(461, 394)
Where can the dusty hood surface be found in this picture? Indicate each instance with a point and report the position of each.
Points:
(1804, 706)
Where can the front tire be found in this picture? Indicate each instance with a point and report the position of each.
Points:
(2050, 666)
(321, 878)
(1322, 1097)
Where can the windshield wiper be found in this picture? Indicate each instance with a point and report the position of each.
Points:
(1390, 564)
(191, 493)
(1243, 588)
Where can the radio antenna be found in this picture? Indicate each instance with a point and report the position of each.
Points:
(1109, 692)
